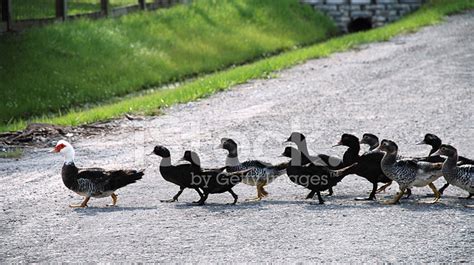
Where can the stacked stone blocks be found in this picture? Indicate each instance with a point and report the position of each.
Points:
(380, 12)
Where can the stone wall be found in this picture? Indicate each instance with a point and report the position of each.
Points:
(379, 12)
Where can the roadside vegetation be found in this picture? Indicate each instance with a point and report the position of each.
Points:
(48, 71)
(35, 9)
(150, 102)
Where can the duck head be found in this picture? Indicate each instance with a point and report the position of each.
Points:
(348, 140)
(191, 157)
(370, 139)
(387, 146)
(66, 149)
(431, 139)
(290, 152)
(295, 137)
(162, 151)
(228, 144)
(446, 150)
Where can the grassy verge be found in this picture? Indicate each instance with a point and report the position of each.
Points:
(430, 14)
(52, 69)
(36, 9)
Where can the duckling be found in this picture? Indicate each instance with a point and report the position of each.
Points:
(180, 175)
(459, 176)
(261, 173)
(331, 162)
(92, 182)
(303, 172)
(213, 181)
(368, 164)
(435, 143)
(408, 173)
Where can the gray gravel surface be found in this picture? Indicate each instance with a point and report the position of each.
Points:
(399, 89)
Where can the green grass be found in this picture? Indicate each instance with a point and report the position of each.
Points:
(53, 69)
(430, 14)
(35, 9)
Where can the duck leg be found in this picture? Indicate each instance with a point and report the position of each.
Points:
(436, 193)
(321, 201)
(384, 187)
(203, 199)
(441, 191)
(263, 191)
(200, 194)
(175, 197)
(330, 192)
(114, 199)
(82, 205)
(311, 195)
(259, 193)
(372, 194)
(408, 193)
(396, 198)
(233, 195)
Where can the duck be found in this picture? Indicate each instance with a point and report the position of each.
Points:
(92, 182)
(213, 181)
(261, 173)
(461, 176)
(299, 140)
(316, 178)
(180, 175)
(331, 162)
(435, 142)
(408, 173)
(368, 164)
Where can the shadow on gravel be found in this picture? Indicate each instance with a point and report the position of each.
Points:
(216, 207)
(91, 211)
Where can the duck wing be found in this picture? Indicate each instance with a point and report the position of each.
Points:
(98, 180)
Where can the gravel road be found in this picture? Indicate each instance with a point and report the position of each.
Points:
(399, 89)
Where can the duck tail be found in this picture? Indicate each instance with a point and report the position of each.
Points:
(124, 177)
(281, 166)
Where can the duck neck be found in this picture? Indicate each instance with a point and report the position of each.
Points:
(351, 155)
(373, 146)
(165, 161)
(69, 157)
(232, 159)
(303, 147)
(434, 147)
(298, 158)
(389, 159)
(451, 162)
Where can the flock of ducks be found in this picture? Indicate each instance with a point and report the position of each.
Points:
(317, 173)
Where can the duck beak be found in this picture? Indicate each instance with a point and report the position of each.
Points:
(377, 149)
(338, 144)
(437, 153)
(420, 143)
(150, 154)
(220, 146)
(54, 150)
